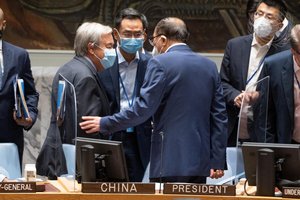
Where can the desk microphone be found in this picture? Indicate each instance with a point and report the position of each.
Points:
(161, 160)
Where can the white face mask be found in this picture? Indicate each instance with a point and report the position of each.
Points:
(262, 27)
(154, 51)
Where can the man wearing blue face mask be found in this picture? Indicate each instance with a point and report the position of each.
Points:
(123, 82)
(94, 51)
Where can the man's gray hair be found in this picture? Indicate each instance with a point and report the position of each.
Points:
(88, 32)
(295, 37)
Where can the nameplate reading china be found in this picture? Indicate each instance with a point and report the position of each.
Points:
(17, 187)
(291, 192)
(118, 187)
(199, 189)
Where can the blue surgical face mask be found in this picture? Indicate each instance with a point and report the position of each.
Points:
(131, 45)
(109, 57)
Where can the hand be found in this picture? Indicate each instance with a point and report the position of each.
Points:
(251, 97)
(25, 122)
(216, 173)
(90, 124)
(238, 99)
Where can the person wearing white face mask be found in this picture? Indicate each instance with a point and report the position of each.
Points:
(94, 51)
(244, 56)
(123, 82)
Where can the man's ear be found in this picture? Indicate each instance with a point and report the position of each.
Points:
(90, 47)
(145, 36)
(280, 25)
(116, 34)
(3, 24)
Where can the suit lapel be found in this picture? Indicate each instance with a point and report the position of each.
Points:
(114, 74)
(7, 60)
(141, 70)
(288, 85)
(94, 72)
(245, 56)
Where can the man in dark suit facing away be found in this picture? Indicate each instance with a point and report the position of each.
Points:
(284, 93)
(94, 51)
(182, 91)
(15, 62)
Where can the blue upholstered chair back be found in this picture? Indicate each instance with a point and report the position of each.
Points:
(69, 151)
(9, 160)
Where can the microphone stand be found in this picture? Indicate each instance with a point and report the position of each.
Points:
(161, 161)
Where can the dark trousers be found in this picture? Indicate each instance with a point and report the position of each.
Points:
(134, 164)
(180, 179)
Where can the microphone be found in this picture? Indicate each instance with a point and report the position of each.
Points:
(161, 160)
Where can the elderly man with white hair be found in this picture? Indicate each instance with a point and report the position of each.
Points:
(94, 51)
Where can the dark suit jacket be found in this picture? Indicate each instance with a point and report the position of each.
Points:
(16, 62)
(182, 90)
(110, 80)
(280, 68)
(91, 101)
(234, 70)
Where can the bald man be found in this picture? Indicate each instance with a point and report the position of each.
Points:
(15, 62)
(182, 91)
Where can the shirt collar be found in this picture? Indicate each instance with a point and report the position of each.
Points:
(176, 44)
(121, 58)
(255, 43)
(90, 61)
(0, 44)
(285, 23)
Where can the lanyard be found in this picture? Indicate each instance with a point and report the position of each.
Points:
(297, 80)
(257, 69)
(130, 103)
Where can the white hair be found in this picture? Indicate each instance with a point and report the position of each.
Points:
(88, 32)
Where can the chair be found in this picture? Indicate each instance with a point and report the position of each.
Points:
(235, 166)
(9, 160)
(69, 151)
(146, 175)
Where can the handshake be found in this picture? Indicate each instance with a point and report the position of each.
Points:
(90, 124)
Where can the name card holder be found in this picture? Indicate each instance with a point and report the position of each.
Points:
(199, 189)
(118, 187)
(17, 187)
(291, 192)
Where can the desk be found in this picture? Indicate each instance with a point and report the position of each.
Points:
(64, 195)
(89, 196)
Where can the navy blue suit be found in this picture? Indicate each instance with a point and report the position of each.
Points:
(234, 71)
(137, 146)
(280, 68)
(16, 62)
(182, 91)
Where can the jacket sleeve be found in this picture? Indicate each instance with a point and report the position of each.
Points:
(145, 105)
(31, 95)
(225, 73)
(218, 118)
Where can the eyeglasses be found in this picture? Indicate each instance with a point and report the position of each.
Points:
(266, 15)
(152, 38)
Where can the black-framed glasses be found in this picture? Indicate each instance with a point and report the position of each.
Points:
(152, 38)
